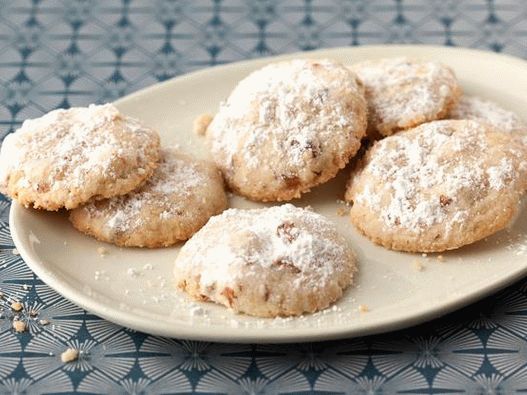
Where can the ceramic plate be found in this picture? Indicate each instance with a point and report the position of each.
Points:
(134, 287)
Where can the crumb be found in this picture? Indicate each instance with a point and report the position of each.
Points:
(201, 123)
(33, 313)
(43, 322)
(309, 207)
(69, 355)
(418, 265)
(1, 294)
(363, 308)
(440, 258)
(424, 255)
(15, 251)
(342, 212)
(19, 326)
(148, 266)
(132, 272)
(65, 243)
(102, 251)
(126, 292)
(16, 306)
(25, 287)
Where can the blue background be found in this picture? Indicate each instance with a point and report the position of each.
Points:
(61, 53)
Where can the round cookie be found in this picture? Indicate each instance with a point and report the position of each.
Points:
(438, 186)
(67, 157)
(277, 261)
(472, 107)
(403, 93)
(174, 203)
(288, 127)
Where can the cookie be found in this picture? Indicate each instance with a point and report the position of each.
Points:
(174, 203)
(288, 127)
(403, 93)
(67, 157)
(472, 107)
(438, 186)
(277, 261)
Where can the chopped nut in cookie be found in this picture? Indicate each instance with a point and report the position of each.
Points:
(287, 231)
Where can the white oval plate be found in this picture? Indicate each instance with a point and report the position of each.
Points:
(121, 288)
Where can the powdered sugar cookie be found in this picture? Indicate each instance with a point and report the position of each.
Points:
(472, 107)
(288, 127)
(277, 261)
(174, 203)
(438, 186)
(68, 157)
(403, 93)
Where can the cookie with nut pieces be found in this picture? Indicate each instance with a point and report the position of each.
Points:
(277, 261)
(439, 186)
(68, 157)
(174, 203)
(288, 127)
(403, 93)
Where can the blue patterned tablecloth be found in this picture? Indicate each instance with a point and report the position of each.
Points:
(61, 53)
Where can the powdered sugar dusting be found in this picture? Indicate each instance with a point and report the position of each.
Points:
(301, 240)
(172, 182)
(473, 107)
(66, 147)
(402, 92)
(425, 178)
(289, 104)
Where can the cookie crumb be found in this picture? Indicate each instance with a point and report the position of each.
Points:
(43, 322)
(33, 313)
(424, 255)
(132, 272)
(363, 308)
(16, 306)
(69, 355)
(25, 287)
(342, 212)
(19, 326)
(1, 294)
(441, 258)
(148, 266)
(201, 123)
(102, 251)
(418, 265)
(15, 252)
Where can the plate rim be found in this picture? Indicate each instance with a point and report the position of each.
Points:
(260, 335)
